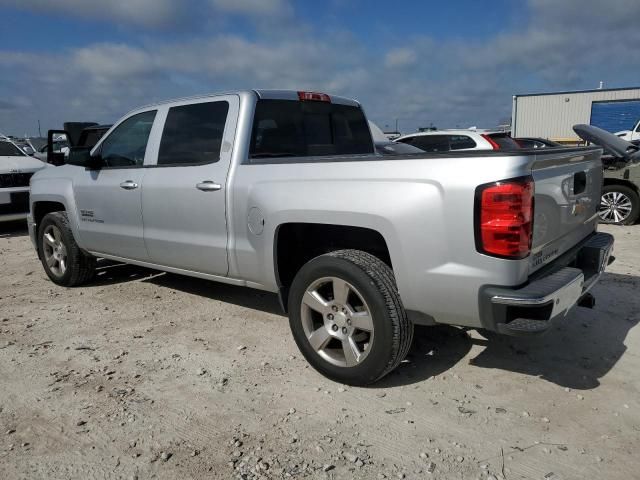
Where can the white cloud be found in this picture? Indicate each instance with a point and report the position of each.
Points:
(253, 7)
(113, 61)
(400, 57)
(422, 80)
(149, 13)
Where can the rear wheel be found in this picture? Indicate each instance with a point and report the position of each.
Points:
(346, 317)
(619, 205)
(62, 259)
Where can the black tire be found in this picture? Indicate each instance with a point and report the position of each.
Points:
(80, 267)
(376, 284)
(632, 195)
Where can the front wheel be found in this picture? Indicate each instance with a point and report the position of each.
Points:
(347, 318)
(63, 261)
(619, 205)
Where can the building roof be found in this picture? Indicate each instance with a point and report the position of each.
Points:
(576, 91)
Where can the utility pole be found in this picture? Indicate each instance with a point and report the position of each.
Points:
(39, 132)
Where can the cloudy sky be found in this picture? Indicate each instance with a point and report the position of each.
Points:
(454, 63)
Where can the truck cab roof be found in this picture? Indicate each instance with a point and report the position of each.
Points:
(263, 94)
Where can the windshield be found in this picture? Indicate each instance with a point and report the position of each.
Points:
(8, 149)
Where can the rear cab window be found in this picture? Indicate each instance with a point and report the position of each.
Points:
(290, 128)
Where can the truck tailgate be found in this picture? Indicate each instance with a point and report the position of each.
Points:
(568, 186)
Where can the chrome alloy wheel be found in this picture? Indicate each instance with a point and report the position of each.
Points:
(615, 207)
(337, 321)
(54, 250)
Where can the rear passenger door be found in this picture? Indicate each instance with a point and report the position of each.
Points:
(184, 196)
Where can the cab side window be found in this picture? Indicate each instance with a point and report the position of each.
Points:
(193, 134)
(127, 144)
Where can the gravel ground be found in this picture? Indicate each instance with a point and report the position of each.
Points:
(151, 375)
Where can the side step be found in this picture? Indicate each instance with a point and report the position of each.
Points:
(524, 326)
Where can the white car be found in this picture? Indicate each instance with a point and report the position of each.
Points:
(16, 169)
(447, 140)
(629, 135)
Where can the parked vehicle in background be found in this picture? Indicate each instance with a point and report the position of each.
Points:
(16, 168)
(58, 145)
(629, 135)
(620, 202)
(86, 137)
(384, 146)
(283, 191)
(396, 148)
(448, 140)
(536, 143)
(26, 148)
(90, 136)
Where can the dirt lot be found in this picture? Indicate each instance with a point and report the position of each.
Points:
(149, 375)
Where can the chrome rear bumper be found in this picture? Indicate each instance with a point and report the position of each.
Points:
(531, 308)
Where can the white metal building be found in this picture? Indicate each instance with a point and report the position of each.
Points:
(552, 115)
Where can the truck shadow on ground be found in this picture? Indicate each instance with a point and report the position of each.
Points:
(576, 353)
(17, 228)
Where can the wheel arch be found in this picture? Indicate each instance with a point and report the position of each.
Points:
(621, 181)
(43, 207)
(44, 203)
(295, 243)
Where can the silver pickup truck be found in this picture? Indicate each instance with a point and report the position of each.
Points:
(283, 191)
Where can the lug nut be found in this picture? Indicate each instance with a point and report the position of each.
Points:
(330, 316)
(334, 308)
(334, 328)
(344, 330)
(348, 321)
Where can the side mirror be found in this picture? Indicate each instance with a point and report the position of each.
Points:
(81, 156)
(54, 155)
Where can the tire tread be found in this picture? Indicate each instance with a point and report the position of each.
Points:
(82, 265)
(382, 276)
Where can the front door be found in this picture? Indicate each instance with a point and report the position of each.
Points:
(108, 199)
(183, 201)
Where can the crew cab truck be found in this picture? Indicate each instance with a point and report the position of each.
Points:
(282, 191)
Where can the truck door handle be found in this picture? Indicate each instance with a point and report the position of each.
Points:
(129, 185)
(208, 186)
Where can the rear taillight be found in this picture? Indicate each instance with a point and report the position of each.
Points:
(504, 218)
(494, 145)
(314, 97)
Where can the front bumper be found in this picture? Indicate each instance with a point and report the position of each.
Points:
(551, 294)
(14, 203)
(32, 231)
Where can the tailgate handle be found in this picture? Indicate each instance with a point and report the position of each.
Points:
(579, 183)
